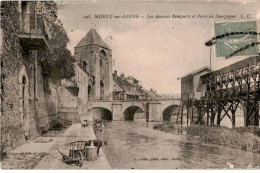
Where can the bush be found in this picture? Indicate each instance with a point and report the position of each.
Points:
(166, 127)
(60, 124)
(244, 138)
(254, 130)
(2, 150)
(241, 139)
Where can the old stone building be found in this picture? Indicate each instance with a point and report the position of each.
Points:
(96, 57)
(75, 92)
(24, 112)
(29, 99)
(127, 88)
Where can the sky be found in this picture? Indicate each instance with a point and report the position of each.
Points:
(156, 51)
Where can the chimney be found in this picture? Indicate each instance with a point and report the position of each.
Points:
(122, 75)
(115, 74)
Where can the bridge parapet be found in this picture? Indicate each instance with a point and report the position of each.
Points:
(152, 108)
(137, 100)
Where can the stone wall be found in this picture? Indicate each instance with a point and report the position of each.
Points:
(68, 107)
(11, 126)
(29, 102)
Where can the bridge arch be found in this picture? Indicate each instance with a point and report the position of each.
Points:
(129, 112)
(168, 112)
(100, 113)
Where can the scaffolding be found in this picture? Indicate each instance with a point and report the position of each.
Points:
(225, 89)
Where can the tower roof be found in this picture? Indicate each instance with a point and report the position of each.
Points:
(91, 38)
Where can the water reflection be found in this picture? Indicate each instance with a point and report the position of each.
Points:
(134, 144)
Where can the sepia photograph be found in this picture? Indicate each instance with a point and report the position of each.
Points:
(130, 85)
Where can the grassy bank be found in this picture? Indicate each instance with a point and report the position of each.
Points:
(165, 127)
(247, 139)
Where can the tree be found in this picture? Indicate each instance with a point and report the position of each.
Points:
(57, 63)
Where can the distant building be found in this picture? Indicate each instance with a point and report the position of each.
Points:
(192, 89)
(95, 57)
(127, 88)
(151, 94)
(191, 84)
(79, 85)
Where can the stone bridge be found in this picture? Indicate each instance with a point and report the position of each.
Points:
(154, 110)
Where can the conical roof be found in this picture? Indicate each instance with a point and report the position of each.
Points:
(91, 38)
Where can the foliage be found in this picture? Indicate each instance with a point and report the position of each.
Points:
(60, 124)
(167, 127)
(243, 138)
(3, 153)
(58, 62)
(251, 129)
(10, 26)
(227, 137)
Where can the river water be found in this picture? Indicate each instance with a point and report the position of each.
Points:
(136, 145)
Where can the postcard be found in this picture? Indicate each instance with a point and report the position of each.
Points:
(103, 85)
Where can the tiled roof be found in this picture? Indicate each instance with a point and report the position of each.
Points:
(92, 38)
(151, 94)
(126, 86)
(195, 72)
(117, 88)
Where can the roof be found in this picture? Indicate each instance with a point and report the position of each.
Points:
(195, 72)
(126, 86)
(152, 94)
(92, 38)
(235, 66)
(87, 72)
(117, 88)
(132, 78)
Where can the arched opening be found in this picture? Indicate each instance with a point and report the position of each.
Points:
(23, 96)
(102, 54)
(169, 112)
(84, 65)
(100, 113)
(102, 91)
(90, 92)
(140, 114)
(129, 113)
(24, 104)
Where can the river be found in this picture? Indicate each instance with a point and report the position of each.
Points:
(136, 145)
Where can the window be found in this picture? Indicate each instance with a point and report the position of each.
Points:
(25, 15)
(121, 96)
(100, 62)
(84, 65)
(81, 80)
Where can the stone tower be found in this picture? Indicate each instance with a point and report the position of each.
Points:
(96, 57)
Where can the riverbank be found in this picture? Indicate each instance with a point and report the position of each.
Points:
(42, 153)
(75, 133)
(246, 139)
(28, 155)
